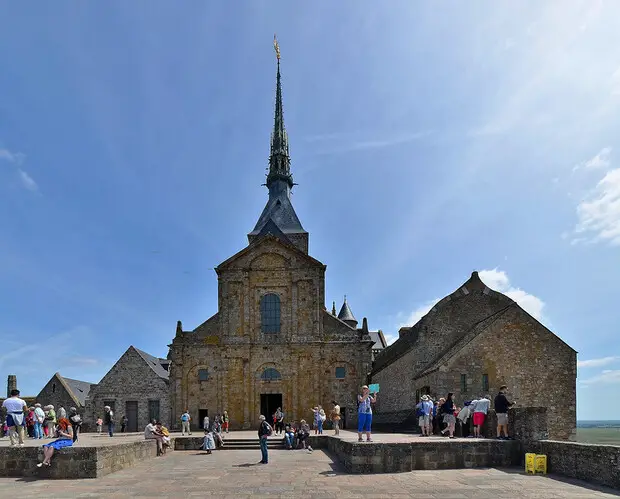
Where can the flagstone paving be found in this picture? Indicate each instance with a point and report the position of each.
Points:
(231, 473)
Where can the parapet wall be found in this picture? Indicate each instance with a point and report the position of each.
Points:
(593, 463)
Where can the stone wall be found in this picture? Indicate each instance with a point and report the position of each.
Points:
(598, 464)
(129, 380)
(75, 462)
(55, 393)
(231, 347)
(435, 455)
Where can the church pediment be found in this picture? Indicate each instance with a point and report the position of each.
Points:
(268, 252)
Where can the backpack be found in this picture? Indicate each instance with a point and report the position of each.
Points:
(419, 412)
(184, 417)
(76, 420)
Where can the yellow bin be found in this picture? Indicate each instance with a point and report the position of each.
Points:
(541, 463)
(530, 463)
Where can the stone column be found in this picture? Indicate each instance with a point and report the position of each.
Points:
(246, 391)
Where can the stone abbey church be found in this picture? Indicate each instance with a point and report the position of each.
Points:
(272, 343)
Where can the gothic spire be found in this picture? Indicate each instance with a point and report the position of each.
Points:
(279, 160)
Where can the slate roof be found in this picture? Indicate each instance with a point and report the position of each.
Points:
(379, 340)
(279, 209)
(78, 388)
(345, 313)
(155, 363)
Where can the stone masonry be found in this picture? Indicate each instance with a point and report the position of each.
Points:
(136, 380)
(472, 342)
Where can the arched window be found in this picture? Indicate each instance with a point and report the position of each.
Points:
(270, 313)
(270, 374)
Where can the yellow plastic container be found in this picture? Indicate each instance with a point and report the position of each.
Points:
(530, 463)
(540, 463)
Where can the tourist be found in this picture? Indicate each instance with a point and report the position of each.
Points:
(501, 408)
(165, 436)
(185, 419)
(99, 425)
(152, 433)
(62, 413)
(39, 419)
(109, 419)
(480, 413)
(76, 422)
(208, 443)
(205, 423)
(30, 422)
(303, 433)
(216, 432)
(225, 421)
(335, 417)
(279, 420)
(364, 413)
(15, 418)
(463, 419)
(65, 439)
(50, 421)
(448, 414)
(425, 410)
(264, 430)
(289, 436)
(124, 421)
(322, 418)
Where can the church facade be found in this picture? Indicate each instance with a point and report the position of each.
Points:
(272, 343)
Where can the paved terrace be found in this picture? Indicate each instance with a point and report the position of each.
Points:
(235, 474)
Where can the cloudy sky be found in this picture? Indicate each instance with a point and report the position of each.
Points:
(428, 139)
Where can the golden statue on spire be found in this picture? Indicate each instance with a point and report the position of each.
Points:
(276, 46)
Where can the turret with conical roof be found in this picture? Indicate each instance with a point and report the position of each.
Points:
(279, 218)
(346, 316)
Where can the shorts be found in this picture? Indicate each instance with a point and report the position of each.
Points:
(424, 420)
(502, 418)
(449, 419)
(479, 418)
(364, 421)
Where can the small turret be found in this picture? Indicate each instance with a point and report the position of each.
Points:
(334, 309)
(346, 315)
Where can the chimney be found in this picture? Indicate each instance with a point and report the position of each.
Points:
(11, 384)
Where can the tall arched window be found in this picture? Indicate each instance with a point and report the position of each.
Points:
(270, 374)
(270, 313)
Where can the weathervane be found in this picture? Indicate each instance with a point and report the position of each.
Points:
(276, 47)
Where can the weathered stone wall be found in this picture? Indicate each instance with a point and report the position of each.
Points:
(130, 379)
(56, 394)
(75, 462)
(310, 345)
(593, 463)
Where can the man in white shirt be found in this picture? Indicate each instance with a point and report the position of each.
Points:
(151, 433)
(185, 419)
(480, 413)
(15, 418)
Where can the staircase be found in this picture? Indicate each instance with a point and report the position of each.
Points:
(246, 444)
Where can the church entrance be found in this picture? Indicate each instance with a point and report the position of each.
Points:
(269, 402)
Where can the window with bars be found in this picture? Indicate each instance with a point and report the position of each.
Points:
(270, 313)
(203, 375)
(463, 383)
(153, 410)
(270, 374)
(485, 382)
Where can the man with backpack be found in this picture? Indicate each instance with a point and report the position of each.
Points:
(185, 419)
(264, 431)
(424, 410)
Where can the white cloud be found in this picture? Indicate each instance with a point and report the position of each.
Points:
(599, 214)
(601, 160)
(12, 157)
(608, 376)
(418, 313)
(597, 362)
(615, 82)
(27, 181)
(499, 281)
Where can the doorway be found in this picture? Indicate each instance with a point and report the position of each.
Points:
(269, 402)
(131, 412)
(202, 414)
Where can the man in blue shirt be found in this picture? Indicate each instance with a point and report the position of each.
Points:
(424, 409)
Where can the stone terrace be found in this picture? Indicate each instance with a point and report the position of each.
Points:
(293, 474)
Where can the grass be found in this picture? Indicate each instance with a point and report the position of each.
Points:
(608, 436)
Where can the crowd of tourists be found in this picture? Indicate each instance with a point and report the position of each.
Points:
(444, 418)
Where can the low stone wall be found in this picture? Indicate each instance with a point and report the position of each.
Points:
(598, 464)
(436, 455)
(74, 462)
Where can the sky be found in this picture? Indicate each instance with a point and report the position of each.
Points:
(428, 139)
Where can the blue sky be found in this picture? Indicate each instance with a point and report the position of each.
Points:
(428, 139)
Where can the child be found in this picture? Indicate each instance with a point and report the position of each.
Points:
(99, 425)
(208, 444)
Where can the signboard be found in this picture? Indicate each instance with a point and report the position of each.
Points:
(374, 388)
